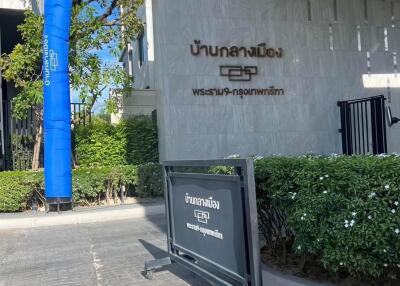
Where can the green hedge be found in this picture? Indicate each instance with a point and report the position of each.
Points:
(16, 188)
(99, 144)
(142, 140)
(343, 210)
(90, 185)
(149, 180)
(133, 141)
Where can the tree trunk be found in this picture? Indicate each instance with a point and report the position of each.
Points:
(38, 147)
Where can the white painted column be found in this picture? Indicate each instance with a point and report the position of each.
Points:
(149, 30)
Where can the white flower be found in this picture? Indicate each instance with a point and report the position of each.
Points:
(385, 265)
(341, 263)
(346, 223)
(369, 217)
(299, 247)
(393, 211)
(387, 187)
(325, 192)
(397, 231)
(398, 265)
(396, 203)
(353, 214)
(352, 222)
(371, 195)
(321, 178)
(326, 176)
(384, 251)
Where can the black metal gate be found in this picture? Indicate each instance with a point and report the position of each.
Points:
(363, 125)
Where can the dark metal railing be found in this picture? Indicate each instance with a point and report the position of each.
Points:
(363, 125)
(18, 133)
(79, 114)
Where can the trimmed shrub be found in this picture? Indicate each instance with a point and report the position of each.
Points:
(132, 141)
(149, 181)
(343, 210)
(100, 144)
(142, 140)
(90, 185)
(16, 188)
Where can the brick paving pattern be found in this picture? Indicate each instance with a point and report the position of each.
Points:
(98, 254)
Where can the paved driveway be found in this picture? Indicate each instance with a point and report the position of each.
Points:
(100, 254)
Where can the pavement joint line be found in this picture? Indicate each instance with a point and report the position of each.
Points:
(82, 217)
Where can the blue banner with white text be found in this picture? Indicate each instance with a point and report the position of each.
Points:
(57, 110)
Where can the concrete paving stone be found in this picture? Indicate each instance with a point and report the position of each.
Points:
(97, 254)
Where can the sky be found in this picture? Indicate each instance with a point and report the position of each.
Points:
(107, 58)
(100, 104)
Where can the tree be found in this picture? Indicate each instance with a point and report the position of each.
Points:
(95, 25)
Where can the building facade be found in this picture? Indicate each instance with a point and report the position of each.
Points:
(261, 77)
(11, 15)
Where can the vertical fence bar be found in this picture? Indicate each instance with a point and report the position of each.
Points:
(362, 126)
(348, 130)
(366, 119)
(84, 116)
(381, 130)
(374, 127)
(384, 125)
(358, 127)
(354, 131)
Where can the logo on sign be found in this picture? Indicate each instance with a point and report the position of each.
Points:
(202, 216)
(53, 60)
(238, 73)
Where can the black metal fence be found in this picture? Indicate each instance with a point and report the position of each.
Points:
(363, 125)
(17, 136)
(79, 114)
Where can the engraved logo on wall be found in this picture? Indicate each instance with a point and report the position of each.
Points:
(238, 73)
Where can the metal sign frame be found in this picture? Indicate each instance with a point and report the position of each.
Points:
(204, 267)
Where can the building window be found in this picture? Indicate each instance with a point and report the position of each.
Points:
(141, 48)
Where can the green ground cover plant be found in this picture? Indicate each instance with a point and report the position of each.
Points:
(343, 211)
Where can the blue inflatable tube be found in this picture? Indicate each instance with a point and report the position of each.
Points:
(57, 110)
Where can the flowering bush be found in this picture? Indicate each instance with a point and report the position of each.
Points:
(344, 210)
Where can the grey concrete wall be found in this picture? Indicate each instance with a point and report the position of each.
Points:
(141, 102)
(317, 70)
